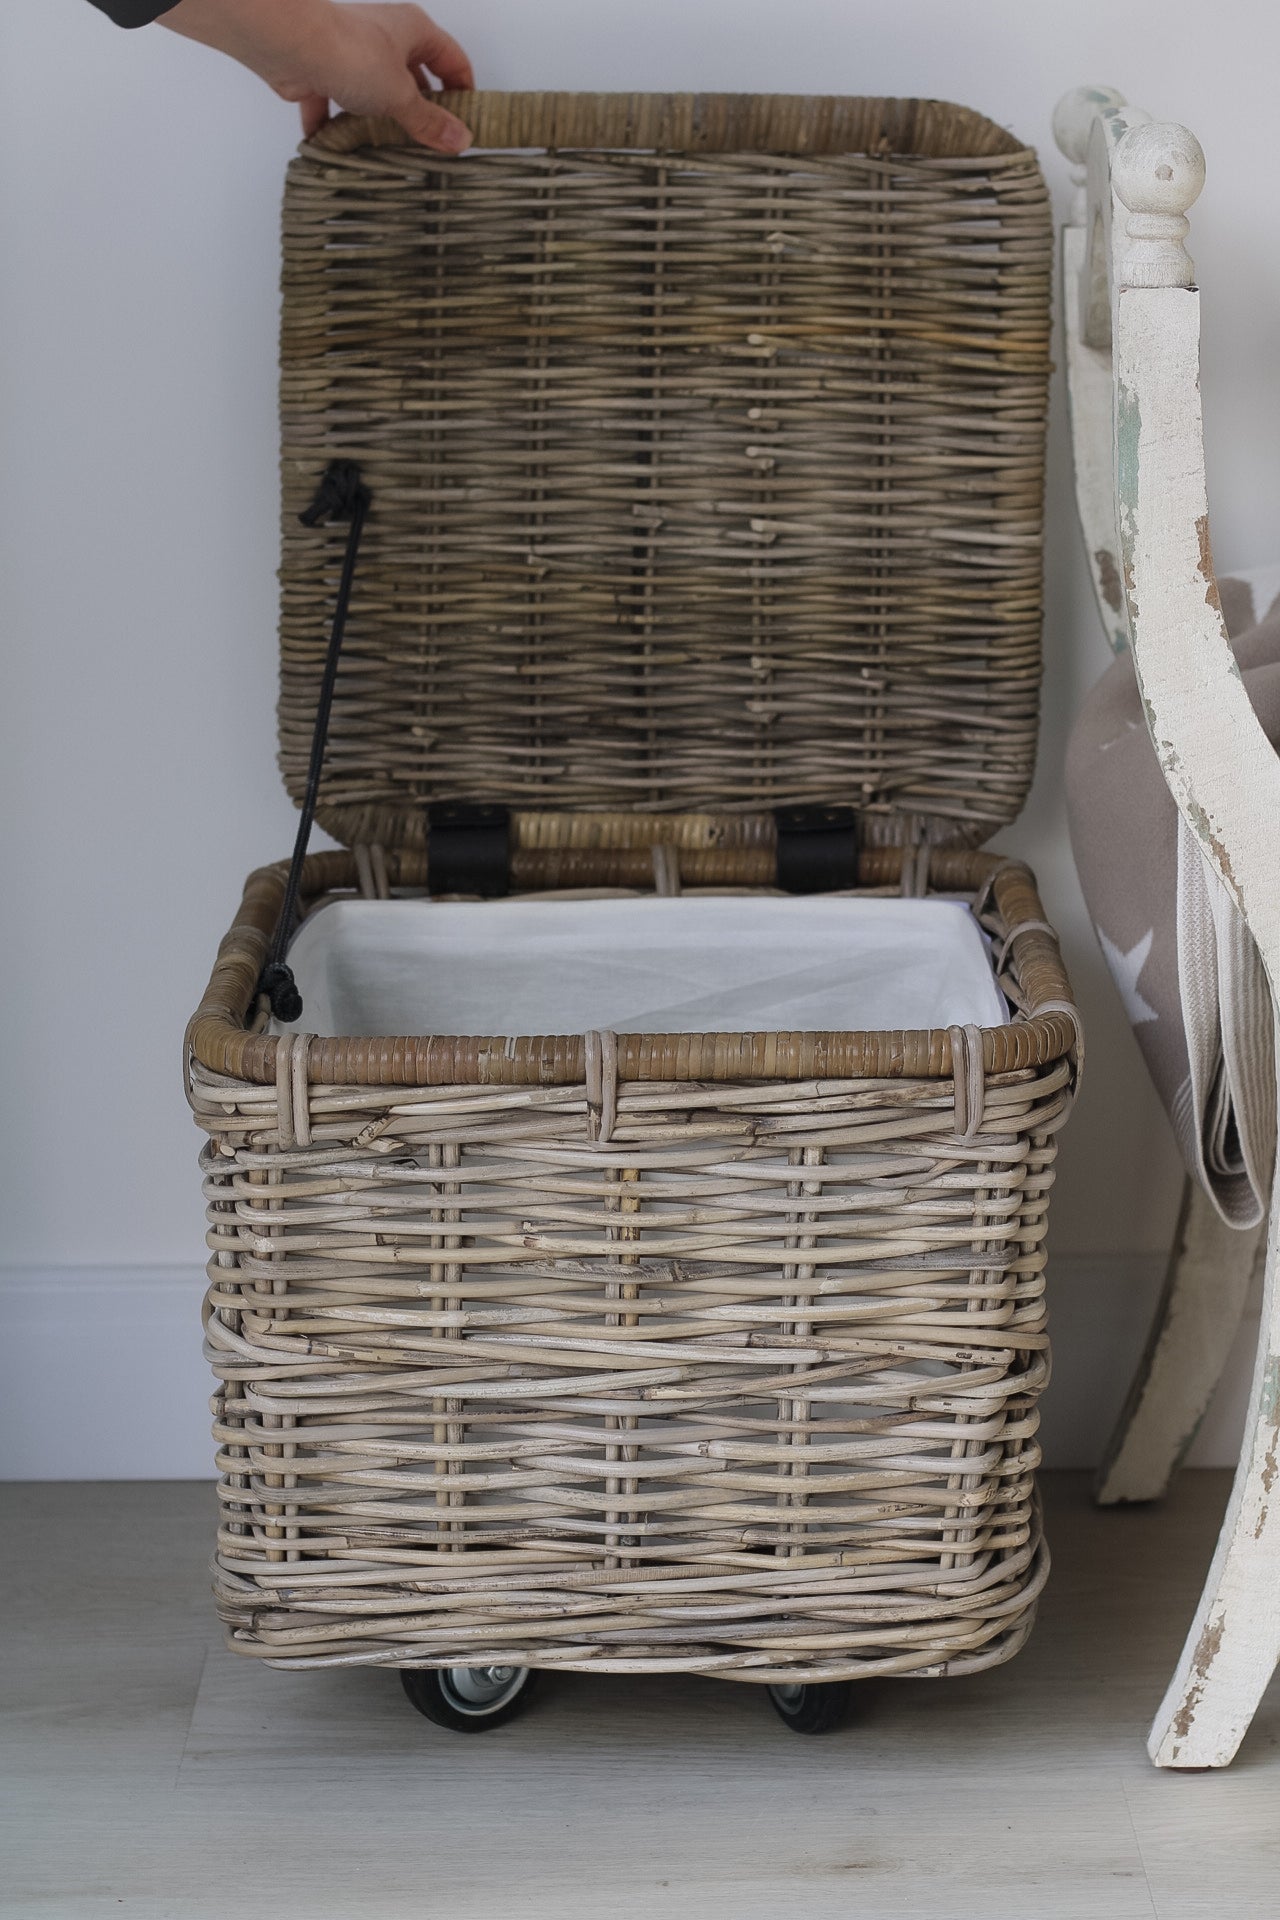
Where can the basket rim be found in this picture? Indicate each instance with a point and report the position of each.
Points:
(877, 126)
(221, 1039)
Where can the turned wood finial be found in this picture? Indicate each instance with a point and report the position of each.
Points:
(1157, 173)
(1073, 116)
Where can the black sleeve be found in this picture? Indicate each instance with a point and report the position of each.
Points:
(134, 13)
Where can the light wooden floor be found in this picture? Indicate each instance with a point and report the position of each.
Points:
(147, 1772)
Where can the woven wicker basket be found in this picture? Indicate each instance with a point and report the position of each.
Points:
(705, 444)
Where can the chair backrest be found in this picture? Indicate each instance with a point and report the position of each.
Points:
(1133, 356)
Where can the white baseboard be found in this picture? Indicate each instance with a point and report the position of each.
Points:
(101, 1376)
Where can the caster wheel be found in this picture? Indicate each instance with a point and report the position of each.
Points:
(468, 1699)
(817, 1709)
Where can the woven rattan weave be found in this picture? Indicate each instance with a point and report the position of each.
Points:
(705, 478)
(705, 444)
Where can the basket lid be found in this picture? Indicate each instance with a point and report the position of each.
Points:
(705, 437)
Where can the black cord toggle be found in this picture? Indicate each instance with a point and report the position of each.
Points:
(340, 492)
(341, 495)
(281, 989)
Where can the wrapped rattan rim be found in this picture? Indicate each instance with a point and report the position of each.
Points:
(789, 123)
(220, 1038)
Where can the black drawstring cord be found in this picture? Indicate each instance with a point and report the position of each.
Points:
(341, 495)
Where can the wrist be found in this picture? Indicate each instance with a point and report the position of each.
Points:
(265, 35)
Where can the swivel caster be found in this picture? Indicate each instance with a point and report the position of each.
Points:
(468, 1699)
(812, 1709)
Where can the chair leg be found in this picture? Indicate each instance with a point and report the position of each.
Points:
(1234, 1642)
(1210, 1270)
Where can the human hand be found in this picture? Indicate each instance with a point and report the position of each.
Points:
(367, 58)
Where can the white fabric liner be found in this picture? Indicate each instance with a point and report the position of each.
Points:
(718, 964)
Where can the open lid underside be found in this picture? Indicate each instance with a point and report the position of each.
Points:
(705, 436)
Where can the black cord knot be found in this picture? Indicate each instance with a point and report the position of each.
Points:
(339, 496)
(281, 989)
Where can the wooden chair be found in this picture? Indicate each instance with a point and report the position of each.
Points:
(1132, 346)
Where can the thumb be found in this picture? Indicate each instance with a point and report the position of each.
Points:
(428, 124)
(314, 108)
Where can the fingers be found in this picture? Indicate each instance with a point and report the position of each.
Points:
(429, 124)
(430, 47)
(378, 62)
(436, 49)
(314, 109)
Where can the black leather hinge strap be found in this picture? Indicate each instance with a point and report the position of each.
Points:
(817, 848)
(468, 848)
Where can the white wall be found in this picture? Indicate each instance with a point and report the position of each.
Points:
(139, 184)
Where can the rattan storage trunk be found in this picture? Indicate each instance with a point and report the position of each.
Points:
(704, 438)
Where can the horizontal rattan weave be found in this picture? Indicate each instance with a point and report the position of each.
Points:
(706, 442)
(735, 1374)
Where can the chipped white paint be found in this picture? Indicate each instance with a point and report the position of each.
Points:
(1211, 1269)
(1215, 756)
(1095, 294)
(1210, 1266)
(1073, 119)
(1086, 241)
(1225, 779)
(1089, 397)
(1157, 172)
